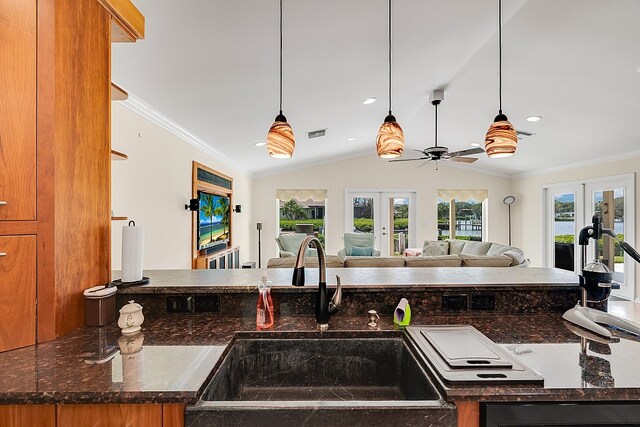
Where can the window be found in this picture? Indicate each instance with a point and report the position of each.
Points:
(461, 214)
(302, 211)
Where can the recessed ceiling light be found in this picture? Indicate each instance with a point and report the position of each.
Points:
(534, 118)
(260, 144)
(475, 144)
(353, 138)
(369, 100)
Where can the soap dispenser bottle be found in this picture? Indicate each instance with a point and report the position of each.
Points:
(264, 307)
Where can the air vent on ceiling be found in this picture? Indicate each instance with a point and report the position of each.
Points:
(316, 133)
(524, 134)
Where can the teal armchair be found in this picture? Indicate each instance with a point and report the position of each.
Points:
(358, 244)
(289, 243)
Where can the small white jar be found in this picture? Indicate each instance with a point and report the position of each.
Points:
(131, 318)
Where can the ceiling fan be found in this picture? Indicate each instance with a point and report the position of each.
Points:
(437, 152)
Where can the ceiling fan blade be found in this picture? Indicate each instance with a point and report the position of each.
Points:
(424, 163)
(409, 160)
(476, 150)
(463, 159)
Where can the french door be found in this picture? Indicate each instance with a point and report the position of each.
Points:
(570, 207)
(390, 216)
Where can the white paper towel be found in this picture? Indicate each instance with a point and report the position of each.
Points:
(132, 245)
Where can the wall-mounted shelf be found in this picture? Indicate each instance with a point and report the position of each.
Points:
(117, 93)
(116, 155)
(119, 218)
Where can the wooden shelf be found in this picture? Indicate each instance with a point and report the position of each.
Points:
(119, 218)
(117, 93)
(116, 155)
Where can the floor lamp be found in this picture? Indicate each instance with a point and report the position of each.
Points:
(259, 225)
(509, 201)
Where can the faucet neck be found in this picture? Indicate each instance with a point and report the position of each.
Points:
(298, 271)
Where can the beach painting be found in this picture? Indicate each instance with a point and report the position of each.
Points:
(213, 219)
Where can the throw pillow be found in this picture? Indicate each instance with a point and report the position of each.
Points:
(358, 251)
(435, 248)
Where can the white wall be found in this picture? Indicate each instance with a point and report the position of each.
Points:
(528, 210)
(372, 173)
(153, 185)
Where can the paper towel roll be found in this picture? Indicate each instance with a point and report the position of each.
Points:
(132, 245)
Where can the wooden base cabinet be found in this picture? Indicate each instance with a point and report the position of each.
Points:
(107, 415)
(17, 291)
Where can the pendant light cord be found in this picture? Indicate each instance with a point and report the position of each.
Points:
(389, 57)
(500, 52)
(280, 57)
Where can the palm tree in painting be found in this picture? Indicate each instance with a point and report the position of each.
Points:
(222, 210)
(208, 210)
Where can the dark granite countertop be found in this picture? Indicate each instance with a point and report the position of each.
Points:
(179, 352)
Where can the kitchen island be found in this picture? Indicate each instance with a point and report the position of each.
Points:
(170, 363)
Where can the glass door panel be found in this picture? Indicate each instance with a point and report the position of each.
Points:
(611, 201)
(563, 220)
(388, 215)
(564, 231)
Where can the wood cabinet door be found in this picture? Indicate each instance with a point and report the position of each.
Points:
(18, 110)
(110, 415)
(17, 291)
(27, 415)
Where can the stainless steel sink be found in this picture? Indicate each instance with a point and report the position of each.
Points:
(329, 378)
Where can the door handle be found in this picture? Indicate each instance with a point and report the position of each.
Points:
(2, 203)
(3, 254)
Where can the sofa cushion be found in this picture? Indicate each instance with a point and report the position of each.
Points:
(497, 249)
(360, 251)
(333, 261)
(435, 248)
(476, 248)
(485, 260)
(456, 246)
(434, 261)
(516, 255)
(365, 261)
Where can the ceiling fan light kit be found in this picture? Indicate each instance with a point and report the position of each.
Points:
(501, 139)
(390, 139)
(280, 140)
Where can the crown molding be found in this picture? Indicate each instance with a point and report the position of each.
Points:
(140, 107)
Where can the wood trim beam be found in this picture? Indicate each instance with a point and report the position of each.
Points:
(126, 15)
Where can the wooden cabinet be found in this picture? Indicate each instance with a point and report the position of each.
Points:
(18, 110)
(227, 259)
(17, 291)
(98, 415)
(55, 90)
(27, 415)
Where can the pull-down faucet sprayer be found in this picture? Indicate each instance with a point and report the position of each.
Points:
(324, 308)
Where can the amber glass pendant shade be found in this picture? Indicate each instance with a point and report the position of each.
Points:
(501, 139)
(390, 140)
(280, 141)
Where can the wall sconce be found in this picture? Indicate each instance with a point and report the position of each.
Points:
(193, 205)
(238, 209)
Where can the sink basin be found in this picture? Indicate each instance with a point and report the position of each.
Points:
(313, 378)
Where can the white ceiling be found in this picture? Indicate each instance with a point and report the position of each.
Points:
(212, 67)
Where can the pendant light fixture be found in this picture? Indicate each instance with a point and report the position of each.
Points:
(501, 139)
(390, 140)
(280, 140)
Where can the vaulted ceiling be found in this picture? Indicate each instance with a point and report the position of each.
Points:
(211, 66)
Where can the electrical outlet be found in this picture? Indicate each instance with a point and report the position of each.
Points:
(456, 302)
(208, 304)
(180, 305)
(483, 302)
